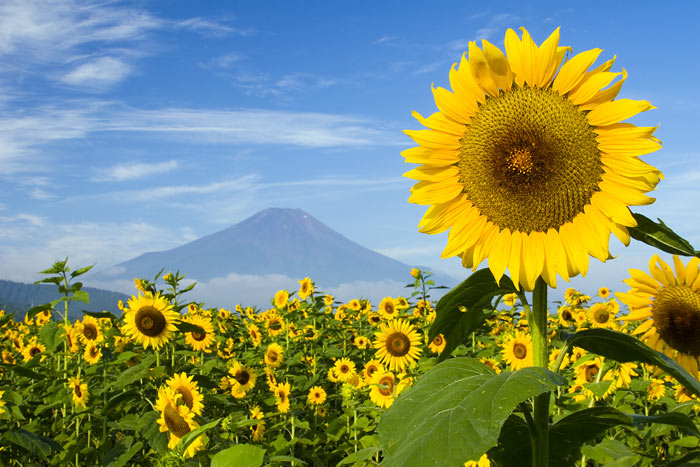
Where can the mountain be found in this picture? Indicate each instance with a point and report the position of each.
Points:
(272, 243)
(17, 298)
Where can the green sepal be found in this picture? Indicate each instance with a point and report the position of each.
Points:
(623, 348)
(464, 308)
(660, 236)
(455, 411)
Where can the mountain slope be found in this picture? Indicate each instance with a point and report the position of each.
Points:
(274, 241)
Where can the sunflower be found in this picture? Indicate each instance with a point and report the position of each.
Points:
(258, 429)
(79, 391)
(344, 369)
(150, 320)
(32, 349)
(254, 333)
(200, 341)
(281, 298)
(274, 325)
(317, 395)
(355, 304)
(188, 390)
(482, 462)
(176, 419)
(398, 344)
(527, 154)
(92, 353)
(603, 292)
(385, 388)
(517, 351)
(567, 316)
(438, 344)
(274, 355)
(388, 308)
(306, 288)
(282, 392)
(509, 299)
(242, 378)
(668, 307)
(361, 342)
(656, 390)
(491, 363)
(2, 403)
(72, 339)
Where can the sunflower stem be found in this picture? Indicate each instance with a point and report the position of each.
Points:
(538, 327)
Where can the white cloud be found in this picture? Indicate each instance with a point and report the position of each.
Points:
(99, 73)
(208, 26)
(384, 39)
(135, 170)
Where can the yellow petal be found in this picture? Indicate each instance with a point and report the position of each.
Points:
(573, 71)
(575, 247)
(606, 94)
(658, 273)
(633, 299)
(441, 217)
(613, 208)
(513, 49)
(481, 70)
(433, 139)
(621, 232)
(680, 269)
(643, 278)
(421, 155)
(514, 259)
(456, 109)
(465, 88)
(691, 270)
(498, 63)
(556, 250)
(546, 62)
(591, 86)
(432, 173)
(628, 195)
(617, 111)
(434, 193)
(533, 257)
(528, 52)
(438, 121)
(483, 247)
(498, 258)
(459, 238)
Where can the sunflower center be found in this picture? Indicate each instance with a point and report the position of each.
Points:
(90, 332)
(386, 386)
(275, 325)
(344, 369)
(592, 373)
(676, 313)
(77, 391)
(34, 351)
(529, 160)
(242, 377)
(519, 350)
(601, 316)
(176, 424)
(398, 344)
(150, 321)
(438, 340)
(272, 356)
(567, 316)
(198, 336)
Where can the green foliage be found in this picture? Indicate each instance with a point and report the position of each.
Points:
(660, 236)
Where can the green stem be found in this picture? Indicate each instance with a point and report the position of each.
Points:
(538, 327)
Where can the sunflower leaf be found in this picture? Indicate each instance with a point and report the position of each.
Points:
(623, 348)
(660, 236)
(192, 436)
(455, 411)
(184, 326)
(464, 308)
(240, 455)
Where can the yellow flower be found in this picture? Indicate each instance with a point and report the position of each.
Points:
(92, 353)
(254, 333)
(482, 462)
(656, 390)
(328, 300)
(200, 341)
(176, 419)
(188, 390)
(528, 155)
(415, 272)
(603, 292)
(258, 429)
(281, 298)
(344, 369)
(242, 378)
(668, 307)
(317, 395)
(438, 344)
(600, 316)
(306, 288)
(384, 388)
(517, 351)
(491, 363)
(32, 349)
(509, 299)
(274, 355)
(274, 325)
(361, 342)
(2, 403)
(79, 391)
(397, 344)
(282, 392)
(388, 308)
(150, 320)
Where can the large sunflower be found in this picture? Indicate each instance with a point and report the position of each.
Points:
(150, 320)
(397, 344)
(242, 379)
(527, 163)
(188, 390)
(176, 419)
(89, 330)
(668, 307)
(200, 341)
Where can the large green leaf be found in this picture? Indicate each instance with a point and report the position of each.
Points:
(51, 335)
(463, 309)
(622, 347)
(240, 455)
(455, 412)
(192, 436)
(38, 445)
(184, 326)
(660, 236)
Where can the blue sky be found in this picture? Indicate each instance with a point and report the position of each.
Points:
(128, 127)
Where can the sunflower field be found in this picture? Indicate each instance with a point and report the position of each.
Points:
(309, 380)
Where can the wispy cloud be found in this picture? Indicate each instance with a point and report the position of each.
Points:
(211, 27)
(384, 39)
(98, 73)
(134, 170)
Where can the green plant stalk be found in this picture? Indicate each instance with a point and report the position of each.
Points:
(538, 327)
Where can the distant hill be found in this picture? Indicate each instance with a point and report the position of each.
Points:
(275, 243)
(17, 298)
